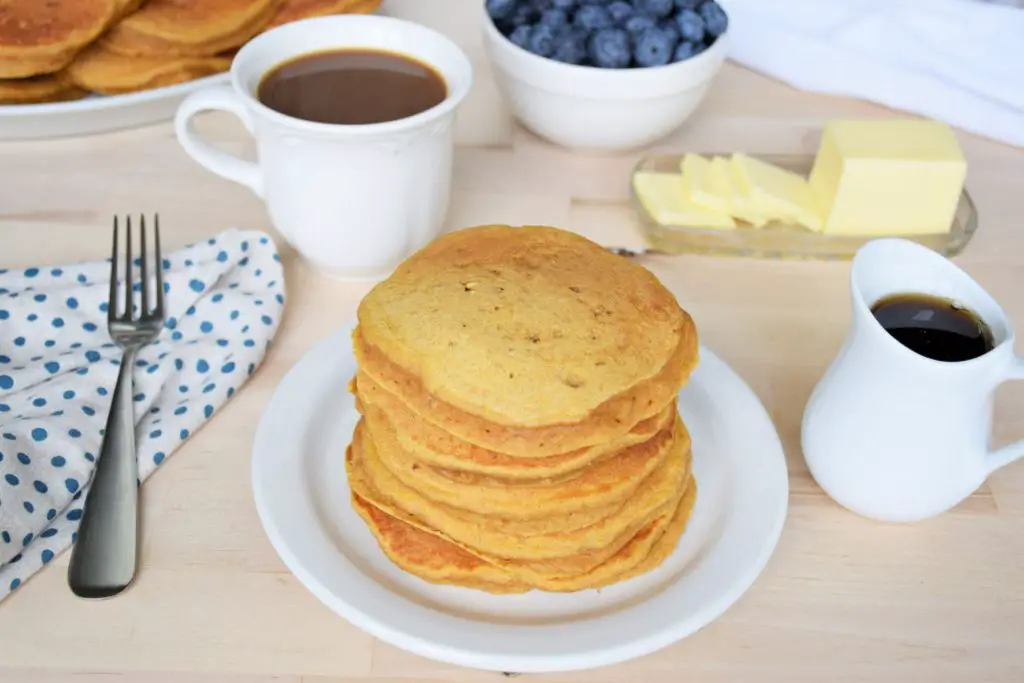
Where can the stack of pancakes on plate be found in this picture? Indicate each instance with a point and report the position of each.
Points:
(55, 50)
(517, 390)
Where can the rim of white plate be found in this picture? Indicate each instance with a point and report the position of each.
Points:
(103, 102)
(460, 640)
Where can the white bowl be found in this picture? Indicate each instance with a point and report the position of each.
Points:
(587, 108)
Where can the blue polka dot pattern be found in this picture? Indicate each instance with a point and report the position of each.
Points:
(58, 370)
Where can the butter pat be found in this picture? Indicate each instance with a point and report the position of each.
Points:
(741, 204)
(708, 184)
(776, 192)
(663, 196)
(701, 187)
(888, 177)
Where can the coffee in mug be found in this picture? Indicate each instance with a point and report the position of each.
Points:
(352, 87)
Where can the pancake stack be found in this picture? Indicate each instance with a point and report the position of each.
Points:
(518, 425)
(64, 49)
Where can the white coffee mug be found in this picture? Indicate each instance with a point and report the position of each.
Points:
(352, 199)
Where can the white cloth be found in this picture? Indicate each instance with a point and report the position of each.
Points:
(958, 61)
(224, 299)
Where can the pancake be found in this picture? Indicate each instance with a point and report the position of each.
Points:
(610, 421)
(526, 327)
(438, 561)
(189, 28)
(645, 551)
(99, 70)
(126, 7)
(42, 37)
(556, 554)
(472, 465)
(38, 89)
(608, 483)
(293, 10)
(431, 558)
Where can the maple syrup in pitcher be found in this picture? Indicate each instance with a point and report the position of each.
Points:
(934, 327)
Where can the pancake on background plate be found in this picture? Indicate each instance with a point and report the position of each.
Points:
(189, 28)
(293, 10)
(97, 69)
(39, 89)
(42, 36)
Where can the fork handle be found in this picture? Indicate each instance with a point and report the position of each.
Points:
(103, 559)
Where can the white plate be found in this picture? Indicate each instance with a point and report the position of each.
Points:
(97, 113)
(302, 497)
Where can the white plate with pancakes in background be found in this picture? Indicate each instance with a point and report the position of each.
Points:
(77, 67)
(395, 468)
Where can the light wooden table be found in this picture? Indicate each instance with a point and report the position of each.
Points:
(843, 598)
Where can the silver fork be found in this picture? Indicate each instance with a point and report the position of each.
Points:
(103, 560)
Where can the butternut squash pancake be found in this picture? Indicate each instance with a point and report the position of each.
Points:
(100, 70)
(433, 559)
(466, 463)
(562, 553)
(604, 484)
(189, 28)
(39, 37)
(36, 89)
(293, 10)
(126, 7)
(610, 421)
(526, 327)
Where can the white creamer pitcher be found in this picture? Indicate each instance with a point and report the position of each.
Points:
(894, 435)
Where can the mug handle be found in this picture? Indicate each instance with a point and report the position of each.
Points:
(217, 98)
(1010, 452)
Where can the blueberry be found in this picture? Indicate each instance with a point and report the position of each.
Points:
(638, 23)
(691, 26)
(620, 10)
(685, 50)
(521, 36)
(609, 48)
(654, 47)
(542, 40)
(655, 8)
(687, 4)
(715, 20)
(566, 5)
(572, 48)
(501, 9)
(669, 27)
(543, 5)
(524, 14)
(592, 18)
(554, 18)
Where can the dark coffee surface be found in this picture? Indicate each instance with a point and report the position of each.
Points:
(352, 87)
(933, 327)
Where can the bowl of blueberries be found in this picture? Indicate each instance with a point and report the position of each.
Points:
(604, 75)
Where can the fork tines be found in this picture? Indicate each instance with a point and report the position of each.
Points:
(151, 304)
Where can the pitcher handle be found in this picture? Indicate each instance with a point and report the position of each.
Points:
(1010, 452)
(217, 98)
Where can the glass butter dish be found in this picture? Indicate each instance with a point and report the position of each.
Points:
(779, 240)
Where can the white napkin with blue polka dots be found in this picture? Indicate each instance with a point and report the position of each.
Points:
(224, 299)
